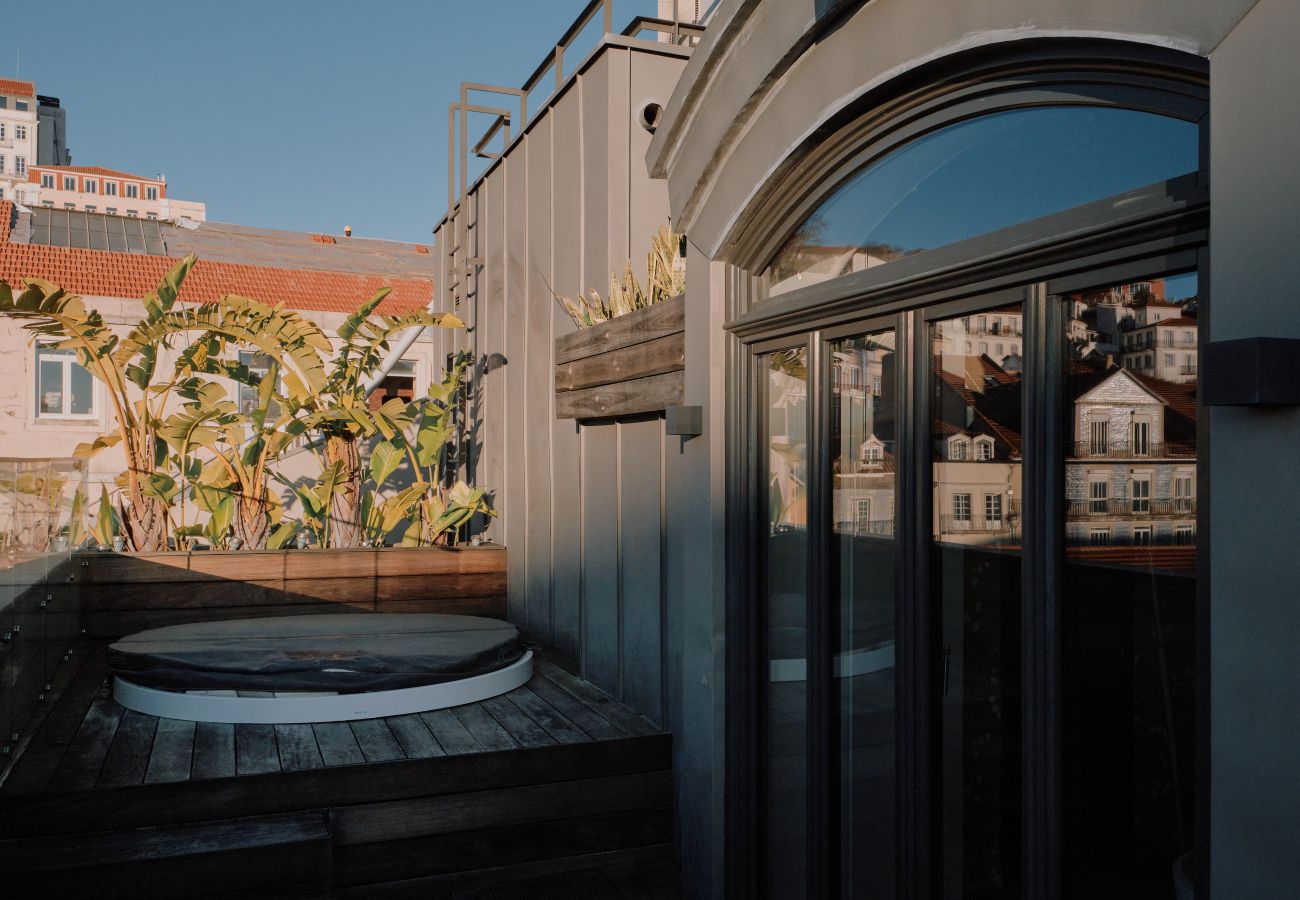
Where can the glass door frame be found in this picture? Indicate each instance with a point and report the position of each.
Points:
(1171, 237)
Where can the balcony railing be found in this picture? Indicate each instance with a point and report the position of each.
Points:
(874, 528)
(950, 524)
(1128, 507)
(1129, 450)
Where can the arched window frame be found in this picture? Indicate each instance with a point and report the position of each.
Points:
(1035, 73)
(1169, 224)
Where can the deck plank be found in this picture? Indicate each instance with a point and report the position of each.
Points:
(451, 734)
(255, 750)
(297, 746)
(486, 730)
(541, 712)
(214, 750)
(414, 736)
(624, 717)
(41, 758)
(573, 709)
(521, 727)
(646, 879)
(128, 754)
(173, 752)
(591, 884)
(376, 740)
(85, 757)
(338, 746)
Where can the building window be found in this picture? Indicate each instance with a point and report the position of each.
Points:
(131, 214)
(985, 450)
(1098, 496)
(132, 191)
(862, 517)
(150, 215)
(961, 507)
(259, 364)
(2, 165)
(151, 193)
(875, 386)
(1099, 438)
(90, 207)
(1099, 537)
(957, 449)
(110, 210)
(47, 181)
(92, 186)
(64, 389)
(20, 105)
(1169, 359)
(1141, 438)
(1141, 496)
(1183, 494)
(2, 193)
(69, 182)
(20, 132)
(993, 508)
(1142, 536)
(1184, 535)
(110, 188)
(20, 165)
(69, 206)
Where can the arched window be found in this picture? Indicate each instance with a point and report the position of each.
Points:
(981, 175)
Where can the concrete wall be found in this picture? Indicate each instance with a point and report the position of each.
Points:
(583, 508)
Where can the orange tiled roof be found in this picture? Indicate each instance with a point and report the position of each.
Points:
(17, 88)
(103, 273)
(98, 170)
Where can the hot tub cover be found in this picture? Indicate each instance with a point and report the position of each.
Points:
(334, 652)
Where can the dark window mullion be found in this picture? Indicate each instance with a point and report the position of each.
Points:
(916, 831)
(1042, 529)
(822, 780)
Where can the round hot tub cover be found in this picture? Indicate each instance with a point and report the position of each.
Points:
(344, 653)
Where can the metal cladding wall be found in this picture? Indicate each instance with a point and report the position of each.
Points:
(581, 505)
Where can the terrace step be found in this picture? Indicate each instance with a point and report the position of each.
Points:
(284, 851)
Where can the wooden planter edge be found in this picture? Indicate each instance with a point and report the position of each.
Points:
(629, 365)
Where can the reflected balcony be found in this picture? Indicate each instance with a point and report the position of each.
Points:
(1130, 450)
(1119, 507)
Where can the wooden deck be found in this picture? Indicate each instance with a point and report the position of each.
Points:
(549, 783)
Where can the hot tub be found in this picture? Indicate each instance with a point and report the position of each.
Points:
(317, 668)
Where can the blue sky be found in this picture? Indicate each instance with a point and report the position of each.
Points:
(287, 114)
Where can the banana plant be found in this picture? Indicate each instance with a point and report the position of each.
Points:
(433, 510)
(340, 411)
(106, 525)
(244, 448)
(127, 368)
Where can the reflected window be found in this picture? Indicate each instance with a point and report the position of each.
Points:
(979, 176)
(863, 559)
(1129, 591)
(785, 703)
(976, 573)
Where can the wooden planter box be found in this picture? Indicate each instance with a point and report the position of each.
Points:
(121, 593)
(633, 364)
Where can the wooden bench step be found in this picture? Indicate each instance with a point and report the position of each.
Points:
(203, 859)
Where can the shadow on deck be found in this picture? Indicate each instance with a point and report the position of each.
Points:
(551, 790)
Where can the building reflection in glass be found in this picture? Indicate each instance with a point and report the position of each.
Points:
(1130, 587)
(863, 470)
(785, 613)
(975, 439)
